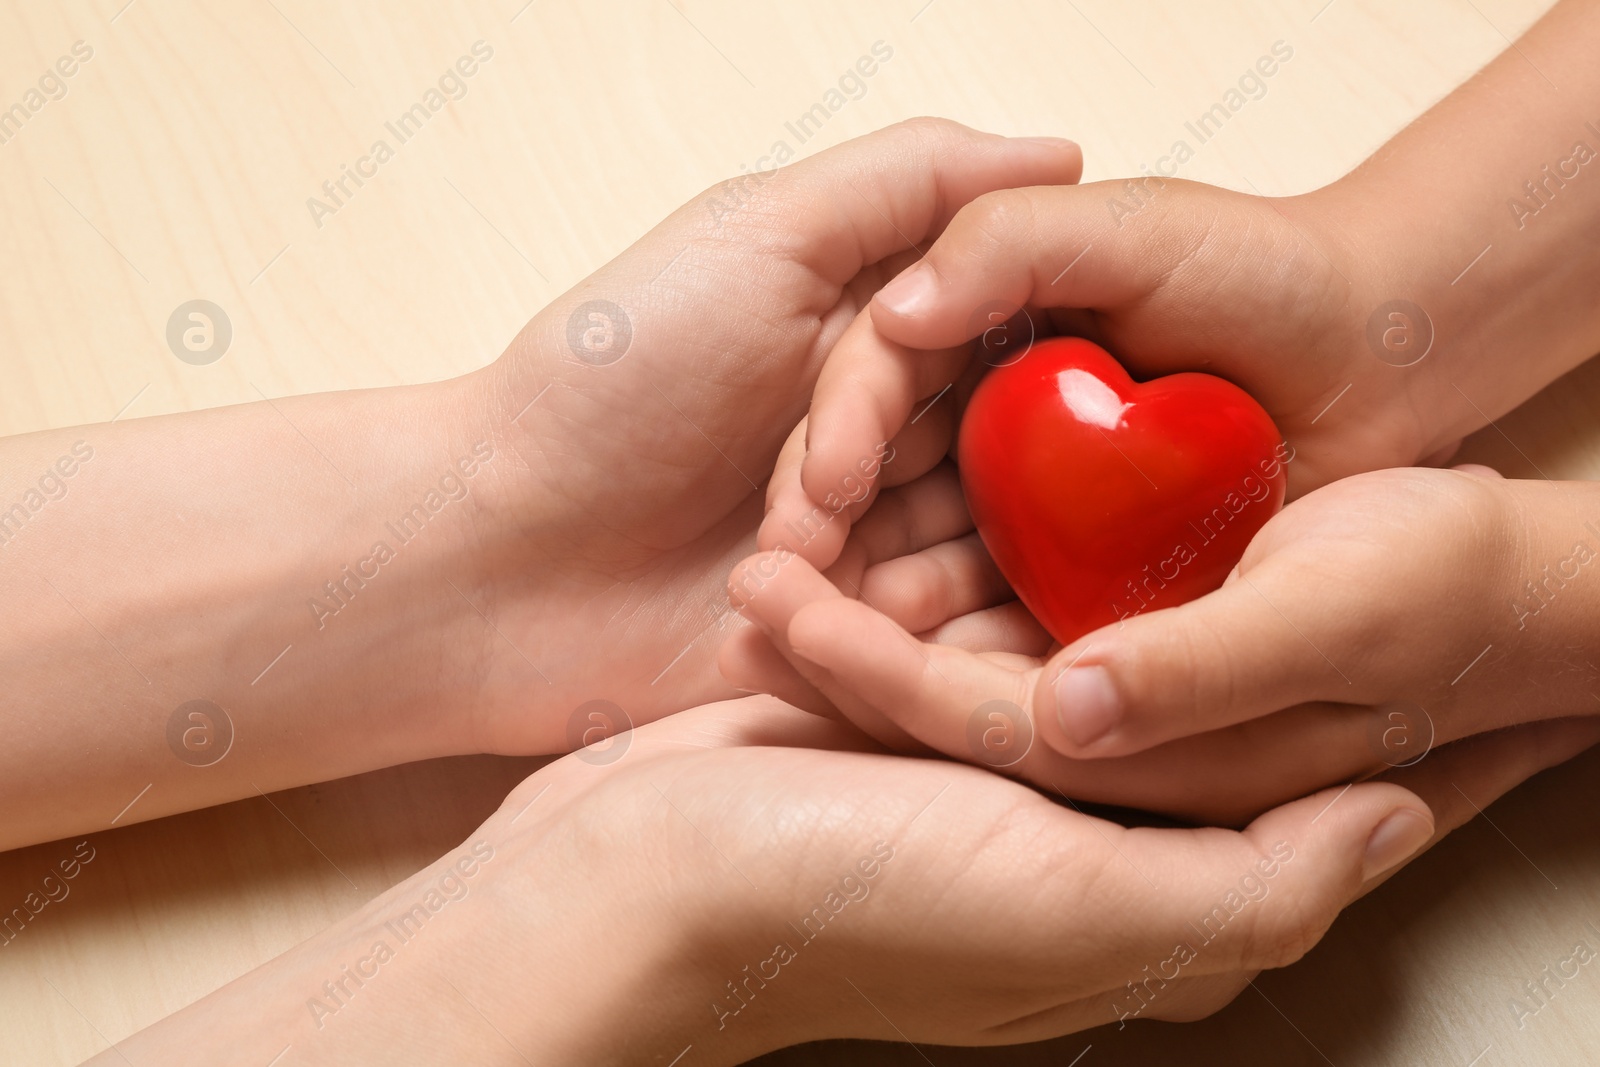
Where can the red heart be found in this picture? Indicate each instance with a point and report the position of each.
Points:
(1100, 497)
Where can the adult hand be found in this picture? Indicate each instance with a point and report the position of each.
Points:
(746, 876)
(646, 406)
(354, 580)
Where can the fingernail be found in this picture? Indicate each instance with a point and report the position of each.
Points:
(1053, 142)
(1393, 840)
(911, 292)
(1086, 704)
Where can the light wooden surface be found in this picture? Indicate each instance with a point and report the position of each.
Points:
(178, 166)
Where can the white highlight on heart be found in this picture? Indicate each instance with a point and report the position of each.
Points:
(1090, 399)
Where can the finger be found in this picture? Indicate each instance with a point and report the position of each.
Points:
(793, 522)
(816, 528)
(921, 444)
(786, 468)
(1460, 780)
(769, 589)
(1040, 248)
(1181, 1000)
(928, 511)
(938, 584)
(1477, 468)
(749, 661)
(879, 194)
(929, 691)
(1010, 627)
(901, 522)
(1263, 897)
(868, 392)
(975, 708)
(1240, 652)
(1196, 903)
(859, 290)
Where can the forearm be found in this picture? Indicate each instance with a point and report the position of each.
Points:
(514, 948)
(268, 560)
(1481, 212)
(1548, 611)
(394, 982)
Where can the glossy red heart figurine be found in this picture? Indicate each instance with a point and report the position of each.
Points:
(1100, 497)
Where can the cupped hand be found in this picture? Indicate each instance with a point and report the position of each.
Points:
(841, 892)
(640, 413)
(769, 879)
(1169, 276)
(1339, 645)
(1445, 602)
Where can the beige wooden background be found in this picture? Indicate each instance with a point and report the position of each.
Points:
(178, 165)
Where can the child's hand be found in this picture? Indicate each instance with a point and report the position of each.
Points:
(1262, 292)
(1357, 607)
(1454, 601)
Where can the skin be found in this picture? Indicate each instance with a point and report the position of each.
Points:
(583, 558)
(761, 810)
(1276, 295)
(577, 566)
(1303, 670)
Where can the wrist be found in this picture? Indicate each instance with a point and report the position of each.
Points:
(601, 928)
(1468, 214)
(512, 948)
(261, 642)
(1465, 328)
(593, 596)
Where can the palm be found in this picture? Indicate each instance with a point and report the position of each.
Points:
(643, 464)
(694, 411)
(1040, 914)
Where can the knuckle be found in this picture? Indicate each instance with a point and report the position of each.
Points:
(996, 220)
(930, 131)
(1284, 934)
(1192, 669)
(1214, 668)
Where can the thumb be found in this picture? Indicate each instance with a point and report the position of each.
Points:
(1054, 247)
(1253, 647)
(1264, 897)
(1342, 839)
(882, 193)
